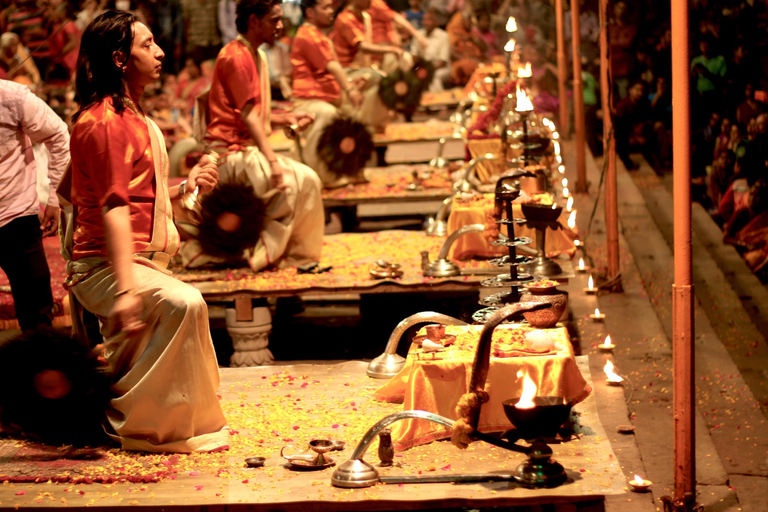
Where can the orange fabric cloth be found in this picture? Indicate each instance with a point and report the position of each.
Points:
(381, 22)
(348, 33)
(235, 84)
(479, 210)
(461, 37)
(312, 51)
(436, 385)
(112, 163)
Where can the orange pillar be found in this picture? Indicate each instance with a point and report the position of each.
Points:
(609, 149)
(682, 290)
(578, 100)
(562, 72)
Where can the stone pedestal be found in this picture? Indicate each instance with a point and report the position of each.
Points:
(250, 338)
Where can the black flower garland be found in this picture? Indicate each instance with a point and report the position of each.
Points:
(233, 218)
(345, 146)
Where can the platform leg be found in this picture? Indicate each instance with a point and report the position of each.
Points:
(250, 337)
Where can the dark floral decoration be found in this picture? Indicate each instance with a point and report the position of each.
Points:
(402, 90)
(232, 220)
(54, 389)
(345, 146)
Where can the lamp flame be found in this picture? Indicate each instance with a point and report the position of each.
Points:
(590, 283)
(566, 192)
(565, 182)
(608, 341)
(561, 168)
(523, 102)
(612, 376)
(581, 263)
(528, 394)
(597, 313)
(569, 204)
(577, 242)
(572, 220)
(511, 24)
(556, 147)
(525, 72)
(510, 46)
(637, 480)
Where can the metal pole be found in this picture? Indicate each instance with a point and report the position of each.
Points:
(609, 149)
(578, 100)
(682, 304)
(562, 72)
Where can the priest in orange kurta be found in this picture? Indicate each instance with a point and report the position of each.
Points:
(240, 121)
(119, 240)
(321, 86)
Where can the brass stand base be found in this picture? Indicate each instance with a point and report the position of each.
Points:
(540, 469)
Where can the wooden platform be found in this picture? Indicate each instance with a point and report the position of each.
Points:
(270, 407)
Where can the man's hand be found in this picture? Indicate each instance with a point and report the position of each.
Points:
(276, 177)
(203, 175)
(355, 97)
(125, 315)
(422, 41)
(299, 119)
(49, 220)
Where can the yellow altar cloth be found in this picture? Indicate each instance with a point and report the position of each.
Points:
(436, 385)
(479, 210)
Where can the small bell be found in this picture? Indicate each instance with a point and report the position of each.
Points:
(386, 450)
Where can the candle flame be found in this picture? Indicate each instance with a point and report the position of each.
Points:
(581, 263)
(638, 480)
(572, 220)
(569, 204)
(523, 102)
(612, 376)
(590, 283)
(525, 72)
(511, 24)
(510, 46)
(529, 393)
(597, 312)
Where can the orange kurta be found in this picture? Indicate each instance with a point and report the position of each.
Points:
(312, 51)
(348, 33)
(112, 164)
(229, 96)
(381, 22)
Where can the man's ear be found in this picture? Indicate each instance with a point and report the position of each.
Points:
(119, 59)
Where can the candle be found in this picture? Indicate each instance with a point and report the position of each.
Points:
(638, 484)
(581, 267)
(590, 286)
(614, 378)
(597, 316)
(607, 345)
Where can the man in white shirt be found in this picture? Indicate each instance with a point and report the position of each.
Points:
(437, 51)
(24, 119)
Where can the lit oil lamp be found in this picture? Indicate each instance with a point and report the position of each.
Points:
(511, 24)
(581, 267)
(529, 392)
(566, 192)
(525, 71)
(510, 46)
(524, 104)
(561, 168)
(577, 242)
(565, 182)
(569, 204)
(597, 316)
(590, 289)
(614, 379)
(572, 219)
(556, 147)
(638, 484)
(607, 345)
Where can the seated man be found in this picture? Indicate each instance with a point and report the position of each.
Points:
(437, 50)
(239, 112)
(352, 38)
(318, 84)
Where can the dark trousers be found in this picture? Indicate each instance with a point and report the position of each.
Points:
(23, 260)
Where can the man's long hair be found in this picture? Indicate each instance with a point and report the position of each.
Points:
(97, 75)
(245, 8)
